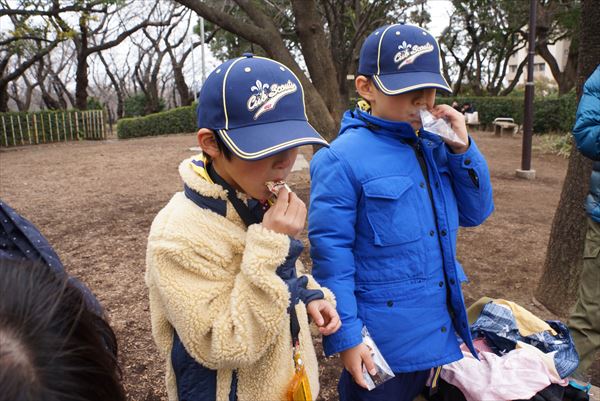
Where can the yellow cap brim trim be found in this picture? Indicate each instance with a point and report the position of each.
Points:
(273, 149)
(387, 91)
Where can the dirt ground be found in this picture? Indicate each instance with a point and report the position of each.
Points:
(95, 202)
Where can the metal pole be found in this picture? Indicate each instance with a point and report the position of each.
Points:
(194, 91)
(202, 48)
(529, 92)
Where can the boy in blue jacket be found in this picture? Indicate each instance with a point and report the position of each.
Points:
(387, 198)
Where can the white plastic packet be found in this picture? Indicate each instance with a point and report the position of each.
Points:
(384, 372)
(438, 126)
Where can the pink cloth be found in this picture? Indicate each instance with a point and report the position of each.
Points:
(480, 345)
(519, 374)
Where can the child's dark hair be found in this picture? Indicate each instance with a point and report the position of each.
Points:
(52, 347)
(222, 147)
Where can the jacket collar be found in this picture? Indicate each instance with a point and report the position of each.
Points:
(397, 129)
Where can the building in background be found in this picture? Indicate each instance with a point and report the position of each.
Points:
(541, 69)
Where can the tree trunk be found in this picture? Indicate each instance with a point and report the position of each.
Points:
(558, 285)
(185, 95)
(4, 97)
(264, 33)
(317, 56)
(81, 75)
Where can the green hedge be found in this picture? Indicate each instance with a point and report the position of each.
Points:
(25, 128)
(174, 121)
(551, 114)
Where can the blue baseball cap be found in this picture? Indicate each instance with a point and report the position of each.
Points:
(256, 106)
(402, 58)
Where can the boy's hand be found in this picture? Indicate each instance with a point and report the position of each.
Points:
(287, 215)
(457, 121)
(324, 315)
(353, 360)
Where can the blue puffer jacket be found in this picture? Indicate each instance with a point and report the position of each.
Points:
(587, 136)
(380, 246)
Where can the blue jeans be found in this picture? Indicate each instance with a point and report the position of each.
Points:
(403, 387)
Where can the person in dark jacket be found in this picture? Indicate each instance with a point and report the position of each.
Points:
(21, 240)
(584, 322)
(387, 199)
(55, 341)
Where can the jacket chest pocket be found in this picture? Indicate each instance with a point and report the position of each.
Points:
(391, 206)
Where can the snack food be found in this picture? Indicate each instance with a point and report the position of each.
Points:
(275, 186)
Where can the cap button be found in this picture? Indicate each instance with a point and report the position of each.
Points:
(249, 55)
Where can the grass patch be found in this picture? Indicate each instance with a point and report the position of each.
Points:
(555, 143)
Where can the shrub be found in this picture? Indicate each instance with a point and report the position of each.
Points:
(174, 121)
(551, 114)
(139, 105)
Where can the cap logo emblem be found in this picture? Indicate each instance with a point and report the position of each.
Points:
(408, 53)
(265, 96)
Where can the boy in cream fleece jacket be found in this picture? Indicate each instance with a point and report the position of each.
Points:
(225, 299)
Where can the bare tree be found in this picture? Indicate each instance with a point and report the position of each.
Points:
(315, 26)
(178, 59)
(480, 39)
(556, 21)
(84, 47)
(53, 74)
(21, 91)
(20, 48)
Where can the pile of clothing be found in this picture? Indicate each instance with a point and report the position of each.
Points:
(520, 357)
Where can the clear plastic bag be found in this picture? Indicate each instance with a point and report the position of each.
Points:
(384, 372)
(438, 126)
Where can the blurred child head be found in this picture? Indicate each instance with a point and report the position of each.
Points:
(251, 120)
(52, 347)
(399, 72)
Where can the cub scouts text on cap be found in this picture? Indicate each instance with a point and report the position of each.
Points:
(402, 58)
(256, 105)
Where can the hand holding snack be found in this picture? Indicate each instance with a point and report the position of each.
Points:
(287, 215)
(354, 358)
(324, 315)
(457, 124)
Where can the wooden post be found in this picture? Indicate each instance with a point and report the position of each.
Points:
(28, 128)
(37, 137)
(94, 125)
(64, 126)
(20, 129)
(103, 128)
(12, 127)
(71, 125)
(98, 126)
(82, 114)
(50, 127)
(43, 128)
(98, 123)
(57, 128)
(86, 123)
(83, 125)
(90, 115)
(4, 131)
(77, 124)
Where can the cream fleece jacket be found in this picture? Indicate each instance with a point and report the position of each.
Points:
(214, 282)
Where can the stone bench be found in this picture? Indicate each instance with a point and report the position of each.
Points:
(504, 126)
(472, 119)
